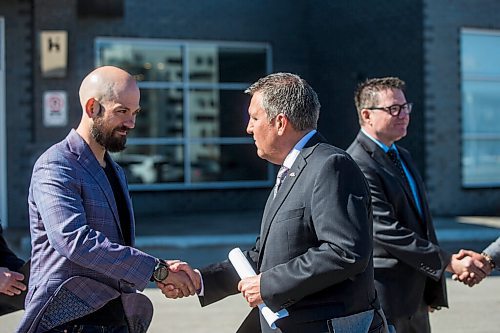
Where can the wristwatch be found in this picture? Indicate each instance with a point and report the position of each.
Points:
(161, 271)
(490, 260)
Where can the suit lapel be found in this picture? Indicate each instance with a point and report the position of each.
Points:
(384, 161)
(273, 205)
(267, 208)
(89, 162)
(380, 157)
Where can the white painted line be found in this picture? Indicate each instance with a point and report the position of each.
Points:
(447, 235)
(187, 241)
(194, 241)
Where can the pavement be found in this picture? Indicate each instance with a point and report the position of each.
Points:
(205, 238)
(473, 309)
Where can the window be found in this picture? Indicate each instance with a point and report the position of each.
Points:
(191, 132)
(480, 62)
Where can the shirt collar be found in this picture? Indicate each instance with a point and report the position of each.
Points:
(292, 155)
(379, 143)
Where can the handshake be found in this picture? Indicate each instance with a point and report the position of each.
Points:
(184, 281)
(470, 267)
(181, 281)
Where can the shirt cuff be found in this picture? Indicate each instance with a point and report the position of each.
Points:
(201, 291)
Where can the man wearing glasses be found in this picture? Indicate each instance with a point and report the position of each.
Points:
(409, 265)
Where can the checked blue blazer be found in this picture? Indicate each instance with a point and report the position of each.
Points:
(78, 260)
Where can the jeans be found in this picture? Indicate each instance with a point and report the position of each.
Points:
(364, 322)
(359, 322)
(89, 329)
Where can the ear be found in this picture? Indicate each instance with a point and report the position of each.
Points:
(281, 122)
(91, 107)
(365, 116)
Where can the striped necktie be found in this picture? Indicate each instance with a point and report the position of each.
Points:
(282, 172)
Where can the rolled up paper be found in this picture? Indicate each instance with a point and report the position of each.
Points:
(244, 270)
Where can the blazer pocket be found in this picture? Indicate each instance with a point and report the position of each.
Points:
(52, 285)
(290, 214)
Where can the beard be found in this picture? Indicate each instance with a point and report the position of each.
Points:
(105, 137)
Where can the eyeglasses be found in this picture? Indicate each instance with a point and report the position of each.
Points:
(395, 110)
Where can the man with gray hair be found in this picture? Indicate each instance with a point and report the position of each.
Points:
(314, 253)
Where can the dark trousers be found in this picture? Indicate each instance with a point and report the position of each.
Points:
(417, 323)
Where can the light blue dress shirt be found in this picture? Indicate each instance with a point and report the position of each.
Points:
(410, 178)
(292, 155)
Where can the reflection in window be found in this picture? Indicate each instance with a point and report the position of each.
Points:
(210, 63)
(480, 107)
(218, 113)
(161, 114)
(191, 131)
(217, 163)
(146, 61)
(149, 164)
(204, 115)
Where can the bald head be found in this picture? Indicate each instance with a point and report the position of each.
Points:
(106, 83)
(109, 97)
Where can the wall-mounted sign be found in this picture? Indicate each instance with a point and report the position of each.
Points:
(55, 109)
(54, 53)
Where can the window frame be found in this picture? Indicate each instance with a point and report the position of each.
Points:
(186, 140)
(469, 77)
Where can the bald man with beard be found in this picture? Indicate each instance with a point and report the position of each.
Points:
(85, 272)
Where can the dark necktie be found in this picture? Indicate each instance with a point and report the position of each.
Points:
(393, 156)
(283, 171)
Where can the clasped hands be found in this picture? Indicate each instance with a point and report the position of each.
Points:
(183, 281)
(469, 267)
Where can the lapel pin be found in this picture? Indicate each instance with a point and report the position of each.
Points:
(292, 174)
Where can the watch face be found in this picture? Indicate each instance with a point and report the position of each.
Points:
(161, 273)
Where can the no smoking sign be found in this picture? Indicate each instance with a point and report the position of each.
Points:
(55, 110)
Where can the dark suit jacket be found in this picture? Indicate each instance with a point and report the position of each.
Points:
(409, 265)
(12, 262)
(315, 244)
(7, 257)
